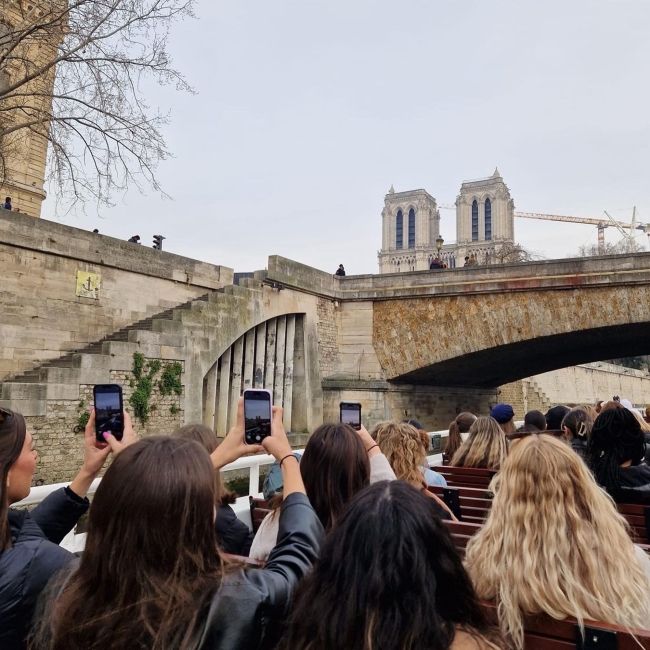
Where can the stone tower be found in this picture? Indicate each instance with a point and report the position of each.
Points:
(484, 217)
(25, 150)
(410, 227)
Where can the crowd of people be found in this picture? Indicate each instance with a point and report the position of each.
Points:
(355, 551)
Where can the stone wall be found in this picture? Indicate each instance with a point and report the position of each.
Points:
(435, 407)
(41, 315)
(328, 348)
(58, 436)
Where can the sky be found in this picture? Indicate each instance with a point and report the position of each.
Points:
(307, 112)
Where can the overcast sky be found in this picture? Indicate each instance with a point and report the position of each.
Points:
(307, 112)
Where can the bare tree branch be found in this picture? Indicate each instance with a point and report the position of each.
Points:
(72, 74)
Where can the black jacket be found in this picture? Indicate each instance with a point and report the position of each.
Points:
(32, 559)
(232, 534)
(248, 609)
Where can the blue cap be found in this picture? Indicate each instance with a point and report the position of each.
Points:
(273, 482)
(502, 413)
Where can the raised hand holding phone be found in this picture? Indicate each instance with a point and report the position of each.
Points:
(109, 409)
(233, 445)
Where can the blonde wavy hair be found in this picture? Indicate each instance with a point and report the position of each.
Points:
(553, 542)
(485, 447)
(404, 447)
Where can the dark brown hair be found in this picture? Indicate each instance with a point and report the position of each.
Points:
(150, 562)
(461, 424)
(388, 576)
(12, 438)
(208, 439)
(334, 468)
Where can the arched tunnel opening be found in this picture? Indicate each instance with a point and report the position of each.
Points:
(501, 365)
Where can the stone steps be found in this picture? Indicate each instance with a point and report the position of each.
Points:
(161, 336)
(60, 378)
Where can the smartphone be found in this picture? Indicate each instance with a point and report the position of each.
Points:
(351, 414)
(109, 411)
(257, 415)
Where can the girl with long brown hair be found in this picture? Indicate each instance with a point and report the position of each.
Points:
(151, 575)
(553, 542)
(29, 550)
(338, 461)
(486, 446)
(458, 433)
(233, 535)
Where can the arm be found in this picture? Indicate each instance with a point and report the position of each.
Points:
(61, 510)
(380, 469)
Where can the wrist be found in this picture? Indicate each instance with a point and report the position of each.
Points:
(86, 473)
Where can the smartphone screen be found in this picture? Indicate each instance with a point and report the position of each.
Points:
(108, 411)
(351, 414)
(257, 415)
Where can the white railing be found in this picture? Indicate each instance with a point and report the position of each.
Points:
(75, 542)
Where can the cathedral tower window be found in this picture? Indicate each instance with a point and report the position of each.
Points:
(411, 228)
(474, 220)
(399, 230)
(488, 219)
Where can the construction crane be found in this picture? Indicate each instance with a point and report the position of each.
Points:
(626, 229)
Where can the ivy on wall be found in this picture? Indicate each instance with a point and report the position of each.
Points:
(143, 382)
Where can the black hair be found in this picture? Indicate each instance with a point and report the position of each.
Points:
(578, 422)
(616, 438)
(388, 576)
(554, 417)
(414, 423)
(535, 419)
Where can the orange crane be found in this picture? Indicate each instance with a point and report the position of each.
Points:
(600, 223)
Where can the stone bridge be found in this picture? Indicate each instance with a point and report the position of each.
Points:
(425, 344)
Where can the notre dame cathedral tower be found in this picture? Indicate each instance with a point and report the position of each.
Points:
(411, 226)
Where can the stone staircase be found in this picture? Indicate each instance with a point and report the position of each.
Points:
(524, 395)
(162, 336)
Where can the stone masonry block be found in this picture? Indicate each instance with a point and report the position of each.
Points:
(17, 391)
(155, 338)
(62, 391)
(168, 326)
(95, 375)
(27, 407)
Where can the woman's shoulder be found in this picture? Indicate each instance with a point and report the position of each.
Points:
(31, 552)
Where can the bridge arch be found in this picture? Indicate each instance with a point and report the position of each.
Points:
(269, 355)
(486, 340)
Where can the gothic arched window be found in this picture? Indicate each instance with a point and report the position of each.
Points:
(411, 228)
(399, 230)
(474, 221)
(488, 219)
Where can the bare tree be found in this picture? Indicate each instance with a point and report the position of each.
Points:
(624, 246)
(510, 252)
(72, 74)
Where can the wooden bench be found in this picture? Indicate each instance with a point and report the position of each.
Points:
(638, 516)
(465, 476)
(259, 509)
(541, 632)
(461, 533)
(468, 504)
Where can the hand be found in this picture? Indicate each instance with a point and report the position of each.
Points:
(233, 445)
(95, 453)
(128, 437)
(277, 443)
(368, 441)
